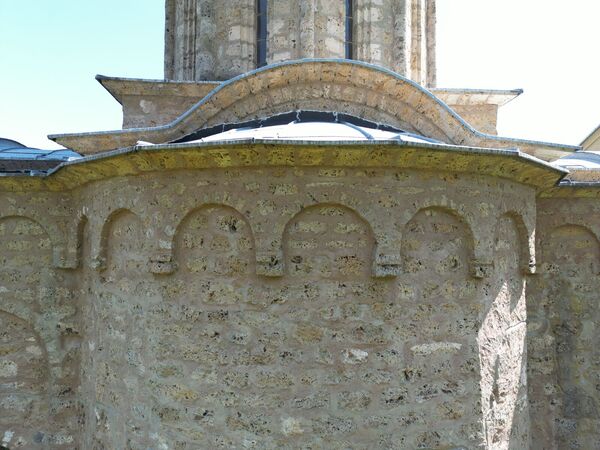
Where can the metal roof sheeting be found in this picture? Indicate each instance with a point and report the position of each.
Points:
(314, 131)
(17, 158)
(579, 160)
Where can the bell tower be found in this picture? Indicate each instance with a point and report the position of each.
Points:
(215, 40)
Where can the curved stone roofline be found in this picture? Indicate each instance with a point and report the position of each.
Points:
(385, 94)
(508, 163)
(120, 87)
(468, 96)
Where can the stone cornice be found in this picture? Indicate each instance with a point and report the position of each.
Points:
(122, 87)
(509, 164)
(361, 89)
(474, 97)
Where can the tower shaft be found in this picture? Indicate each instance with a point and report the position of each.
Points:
(218, 39)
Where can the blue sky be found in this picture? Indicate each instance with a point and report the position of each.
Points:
(51, 51)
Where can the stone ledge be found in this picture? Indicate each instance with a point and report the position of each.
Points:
(510, 164)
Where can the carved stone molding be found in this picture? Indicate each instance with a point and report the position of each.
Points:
(269, 264)
(162, 264)
(387, 265)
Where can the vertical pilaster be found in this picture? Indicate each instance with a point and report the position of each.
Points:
(216, 40)
(247, 33)
(419, 44)
(359, 31)
(308, 10)
(431, 43)
(364, 31)
(195, 65)
(402, 44)
(185, 50)
(170, 24)
(182, 33)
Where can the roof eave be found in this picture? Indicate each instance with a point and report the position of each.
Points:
(503, 163)
(120, 87)
(466, 96)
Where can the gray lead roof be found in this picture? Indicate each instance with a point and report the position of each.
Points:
(14, 150)
(16, 158)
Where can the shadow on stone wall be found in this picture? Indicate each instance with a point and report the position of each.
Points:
(39, 340)
(441, 307)
(502, 339)
(565, 359)
(213, 355)
(119, 297)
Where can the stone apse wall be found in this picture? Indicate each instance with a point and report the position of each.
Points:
(40, 321)
(564, 363)
(267, 308)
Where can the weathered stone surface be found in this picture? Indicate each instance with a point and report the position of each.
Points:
(563, 320)
(213, 354)
(148, 103)
(39, 341)
(357, 89)
(208, 40)
(300, 295)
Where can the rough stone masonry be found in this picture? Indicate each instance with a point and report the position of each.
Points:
(198, 291)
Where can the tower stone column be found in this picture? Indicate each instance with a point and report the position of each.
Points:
(216, 39)
(398, 35)
(209, 39)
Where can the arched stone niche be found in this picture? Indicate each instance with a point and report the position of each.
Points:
(479, 246)
(481, 257)
(440, 320)
(59, 243)
(526, 261)
(328, 241)
(571, 251)
(267, 233)
(383, 259)
(276, 361)
(214, 256)
(437, 248)
(122, 245)
(119, 298)
(77, 239)
(571, 256)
